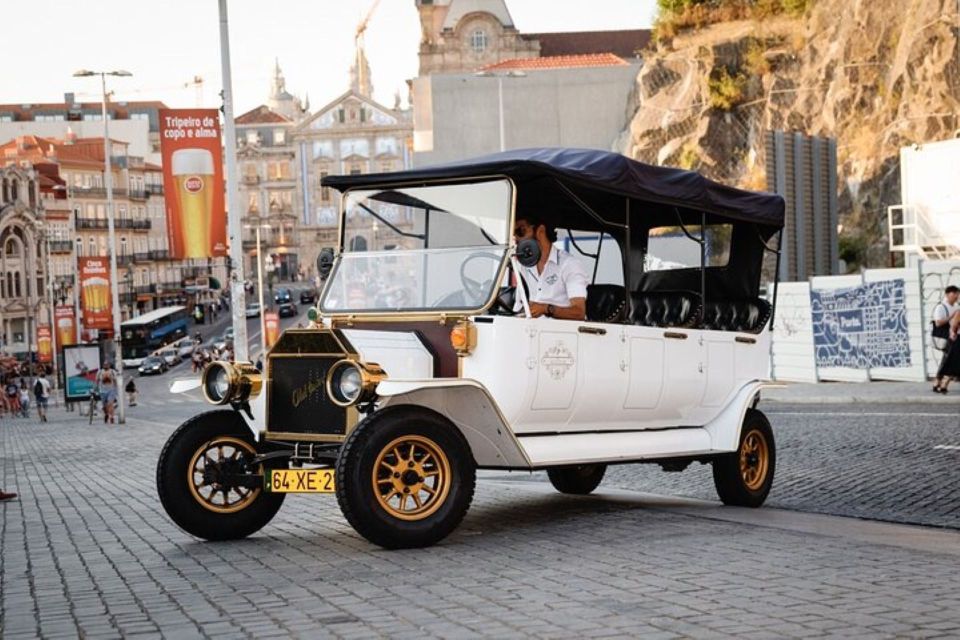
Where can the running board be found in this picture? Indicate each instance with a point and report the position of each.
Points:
(583, 448)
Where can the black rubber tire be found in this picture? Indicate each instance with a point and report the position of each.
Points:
(175, 495)
(354, 472)
(727, 477)
(579, 480)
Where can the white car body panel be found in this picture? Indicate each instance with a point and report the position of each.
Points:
(401, 353)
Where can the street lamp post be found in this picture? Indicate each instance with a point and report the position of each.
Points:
(263, 326)
(111, 235)
(45, 238)
(500, 77)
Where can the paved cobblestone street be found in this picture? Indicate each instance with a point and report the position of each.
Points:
(87, 551)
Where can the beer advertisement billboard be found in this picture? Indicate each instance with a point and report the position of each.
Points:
(66, 325)
(193, 182)
(95, 300)
(271, 328)
(44, 343)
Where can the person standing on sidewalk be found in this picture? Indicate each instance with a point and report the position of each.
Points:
(24, 399)
(946, 316)
(41, 391)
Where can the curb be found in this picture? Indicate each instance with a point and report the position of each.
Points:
(864, 399)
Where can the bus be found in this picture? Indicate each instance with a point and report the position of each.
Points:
(145, 334)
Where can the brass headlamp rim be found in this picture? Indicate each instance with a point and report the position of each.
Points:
(371, 374)
(244, 381)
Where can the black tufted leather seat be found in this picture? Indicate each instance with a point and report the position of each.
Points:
(606, 303)
(749, 315)
(666, 309)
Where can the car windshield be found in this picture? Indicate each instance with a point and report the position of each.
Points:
(151, 360)
(428, 248)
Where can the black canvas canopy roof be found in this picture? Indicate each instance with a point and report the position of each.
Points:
(600, 178)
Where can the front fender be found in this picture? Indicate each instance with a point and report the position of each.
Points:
(469, 406)
(724, 429)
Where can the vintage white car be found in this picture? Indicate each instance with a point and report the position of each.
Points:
(425, 364)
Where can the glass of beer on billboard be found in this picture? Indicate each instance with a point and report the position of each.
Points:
(192, 171)
(96, 294)
(65, 334)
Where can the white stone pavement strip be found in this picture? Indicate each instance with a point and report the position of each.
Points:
(87, 551)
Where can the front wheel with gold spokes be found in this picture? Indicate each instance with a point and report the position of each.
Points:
(405, 478)
(744, 477)
(207, 483)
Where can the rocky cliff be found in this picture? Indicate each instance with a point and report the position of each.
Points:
(874, 74)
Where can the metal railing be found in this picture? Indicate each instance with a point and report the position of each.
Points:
(61, 246)
(138, 194)
(911, 231)
(155, 189)
(159, 254)
(142, 256)
(145, 289)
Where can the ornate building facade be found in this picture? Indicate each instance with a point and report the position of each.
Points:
(268, 181)
(351, 134)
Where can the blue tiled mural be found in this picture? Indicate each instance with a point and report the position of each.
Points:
(861, 327)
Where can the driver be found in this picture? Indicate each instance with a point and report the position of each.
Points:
(558, 283)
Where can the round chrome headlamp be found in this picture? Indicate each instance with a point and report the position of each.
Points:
(218, 382)
(349, 382)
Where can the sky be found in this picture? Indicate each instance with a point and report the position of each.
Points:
(166, 44)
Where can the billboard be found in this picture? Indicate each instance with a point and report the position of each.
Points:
(193, 182)
(95, 300)
(44, 343)
(66, 323)
(81, 363)
(271, 328)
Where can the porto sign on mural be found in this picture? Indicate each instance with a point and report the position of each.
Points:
(861, 327)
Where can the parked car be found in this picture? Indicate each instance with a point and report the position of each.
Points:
(308, 296)
(666, 367)
(282, 295)
(152, 365)
(170, 355)
(252, 310)
(287, 310)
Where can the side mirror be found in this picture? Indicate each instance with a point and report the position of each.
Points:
(528, 252)
(325, 262)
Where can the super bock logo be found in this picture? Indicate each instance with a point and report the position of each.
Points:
(557, 360)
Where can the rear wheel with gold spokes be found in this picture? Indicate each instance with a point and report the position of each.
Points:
(744, 477)
(405, 478)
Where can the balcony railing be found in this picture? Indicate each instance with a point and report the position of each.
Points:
(128, 298)
(159, 254)
(96, 192)
(119, 223)
(171, 285)
(142, 256)
(155, 189)
(145, 289)
(124, 259)
(61, 246)
(138, 194)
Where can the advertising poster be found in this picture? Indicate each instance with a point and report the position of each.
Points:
(44, 343)
(81, 362)
(861, 327)
(193, 182)
(95, 300)
(66, 322)
(271, 328)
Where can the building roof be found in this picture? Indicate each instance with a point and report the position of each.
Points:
(262, 115)
(82, 151)
(462, 8)
(624, 43)
(119, 110)
(559, 62)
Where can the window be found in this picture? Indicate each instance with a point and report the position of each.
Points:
(478, 41)
(324, 191)
(279, 136)
(671, 248)
(341, 115)
(252, 137)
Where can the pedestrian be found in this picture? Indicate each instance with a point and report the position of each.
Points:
(131, 390)
(259, 364)
(41, 391)
(946, 326)
(13, 397)
(108, 392)
(24, 399)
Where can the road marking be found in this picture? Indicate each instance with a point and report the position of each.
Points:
(856, 414)
(948, 447)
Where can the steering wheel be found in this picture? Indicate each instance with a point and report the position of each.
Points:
(474, 289)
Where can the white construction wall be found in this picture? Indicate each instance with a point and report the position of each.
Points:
(855, 328)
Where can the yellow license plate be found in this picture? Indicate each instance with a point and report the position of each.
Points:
(300, 481)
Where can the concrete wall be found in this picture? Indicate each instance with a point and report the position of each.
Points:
(456, 115)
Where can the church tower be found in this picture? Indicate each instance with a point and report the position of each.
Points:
(461, 36)
(280, 100)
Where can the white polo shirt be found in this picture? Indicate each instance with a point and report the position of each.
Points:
(563, 278)
(944, 310)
